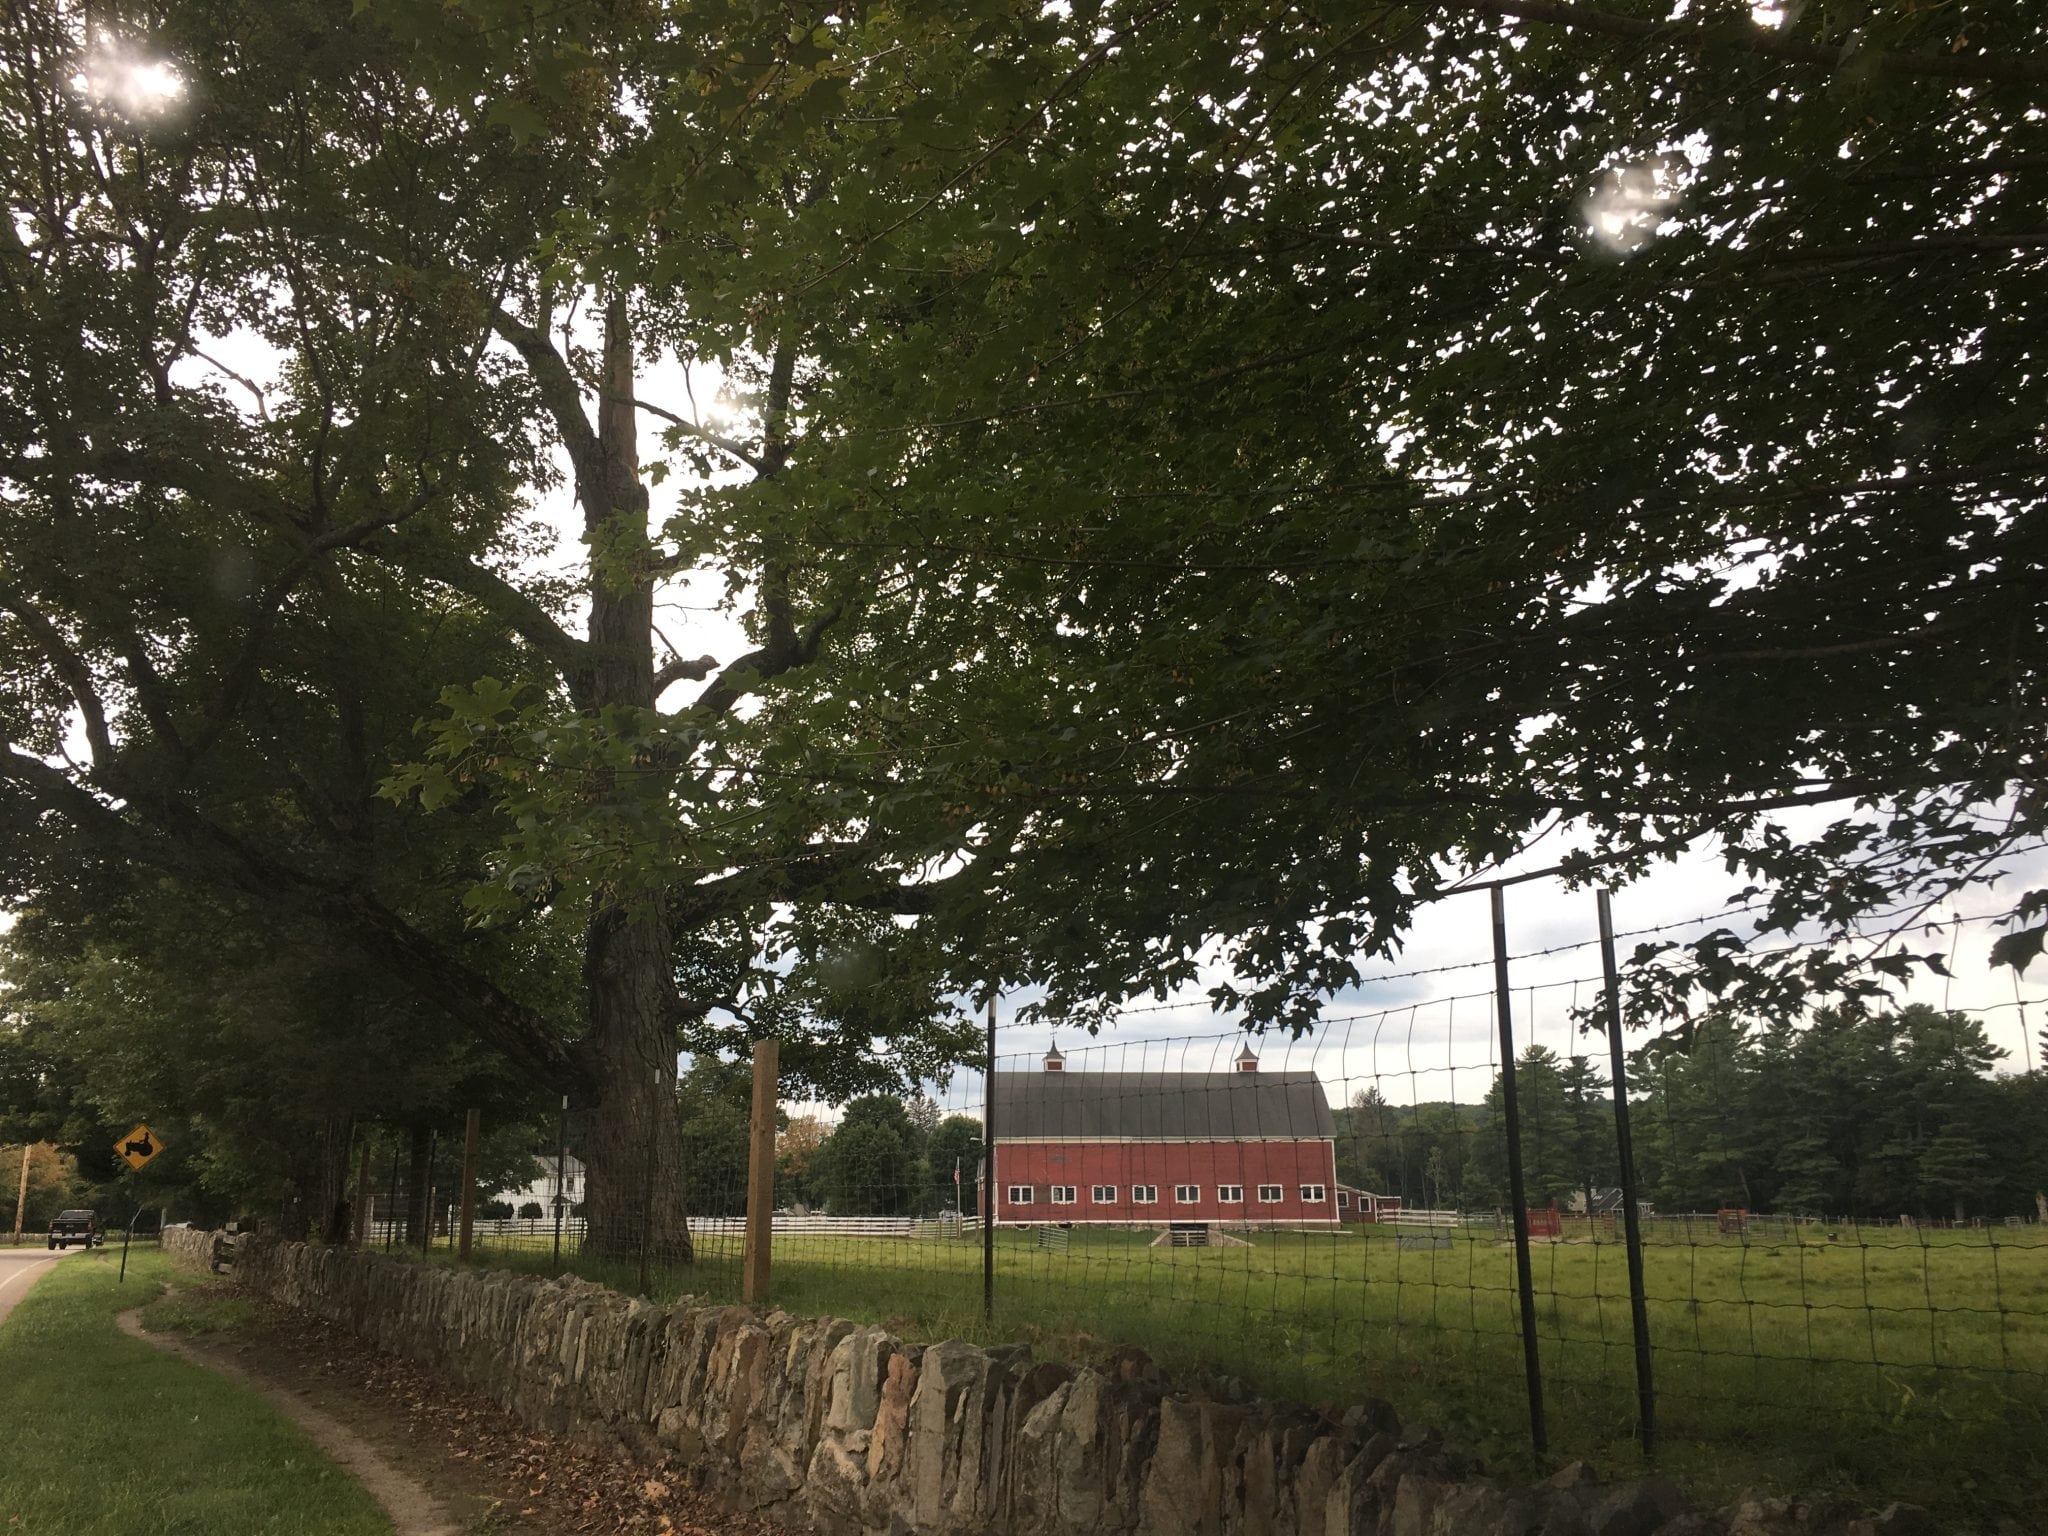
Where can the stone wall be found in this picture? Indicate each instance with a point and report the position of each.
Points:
(189, 1247)
(843, 1429)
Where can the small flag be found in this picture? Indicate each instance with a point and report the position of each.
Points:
(956, 1173)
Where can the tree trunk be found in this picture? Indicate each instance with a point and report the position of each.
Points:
(319, 1180)
(337, 1141)
(418, 1174)
(628, 970)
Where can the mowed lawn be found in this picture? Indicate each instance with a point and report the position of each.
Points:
(106, 1436)
(1893, 1363)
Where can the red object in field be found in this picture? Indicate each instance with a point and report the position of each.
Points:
(1362, 1205)
(1733, 1220)
(1546, 1223)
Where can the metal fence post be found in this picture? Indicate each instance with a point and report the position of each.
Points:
(561, 1163)
(756, 1258)
(364, 1195)
(1631, 1209)
(470, 1127)
(427, 1204)
(1525, 1281)
(391, 1200)
(988, 1174)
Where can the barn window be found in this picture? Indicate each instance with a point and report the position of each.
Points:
(1230, 1194)
(1269, 1194)
(1144, 1194)
(1343, 1201)
(1021, 1194)
(1314, 1194)
(1063, 1194)
(1103, 1194)
(1186, 1194)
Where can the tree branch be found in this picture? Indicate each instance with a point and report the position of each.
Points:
(1925, 633)
(559, 391)
(69, 666)
(1748, 37)
(242, 671)
(743, 676)
(677, 670)
(184, 844)
(724, 445)
(526, 617)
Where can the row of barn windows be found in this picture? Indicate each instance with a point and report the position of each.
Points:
(1148, 1194)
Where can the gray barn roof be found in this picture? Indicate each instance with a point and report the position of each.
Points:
(1161, 1106)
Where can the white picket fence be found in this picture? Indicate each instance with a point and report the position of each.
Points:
(834, 1226)
(1412, 1218)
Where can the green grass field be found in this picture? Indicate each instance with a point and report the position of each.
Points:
(107, 1436)
(1890, 1364)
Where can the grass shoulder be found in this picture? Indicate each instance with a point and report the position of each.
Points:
(108, 1436)
(196, 1305)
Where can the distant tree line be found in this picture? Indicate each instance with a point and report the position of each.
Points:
(1854, 1113)
(887, 1156)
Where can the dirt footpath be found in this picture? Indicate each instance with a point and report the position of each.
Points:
(477, 1469)
(413, 1509)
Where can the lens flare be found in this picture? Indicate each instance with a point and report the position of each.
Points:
(1631, 202)
(130, 83)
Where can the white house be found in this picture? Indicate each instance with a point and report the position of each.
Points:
(540, 1190)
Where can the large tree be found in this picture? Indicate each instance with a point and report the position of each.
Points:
(1255, 469)
(1201, 476)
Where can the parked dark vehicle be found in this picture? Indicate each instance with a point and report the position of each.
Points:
(77, 1227)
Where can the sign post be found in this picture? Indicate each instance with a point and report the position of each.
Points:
(138, 1149)
(126, 1233)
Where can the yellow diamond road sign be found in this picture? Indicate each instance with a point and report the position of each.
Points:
(139, 1146)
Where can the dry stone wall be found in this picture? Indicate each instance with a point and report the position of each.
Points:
(189, 1247)
(843, 1429)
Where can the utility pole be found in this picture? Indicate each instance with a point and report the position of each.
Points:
(28, 1150)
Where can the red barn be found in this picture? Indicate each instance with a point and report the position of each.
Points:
(1363, 1205)
(1153, 1148)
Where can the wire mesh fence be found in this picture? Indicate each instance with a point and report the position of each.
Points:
(1837, 1225)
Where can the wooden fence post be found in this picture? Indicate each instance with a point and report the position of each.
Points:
(760, 1177)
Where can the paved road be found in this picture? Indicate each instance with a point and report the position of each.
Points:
(20, 1268)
